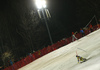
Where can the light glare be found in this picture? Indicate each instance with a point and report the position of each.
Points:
(41, 4)
(44, 4)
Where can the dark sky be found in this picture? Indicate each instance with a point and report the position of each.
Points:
(74, 14)
(65, 12)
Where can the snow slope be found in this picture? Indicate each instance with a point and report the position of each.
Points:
(65, 57)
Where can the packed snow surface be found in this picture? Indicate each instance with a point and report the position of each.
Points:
(64, 58)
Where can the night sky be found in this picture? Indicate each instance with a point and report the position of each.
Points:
(64, 11)
(22, 31)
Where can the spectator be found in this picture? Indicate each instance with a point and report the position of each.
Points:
(73, 36)
(81, 31)
(98, 26)
(1, 67)
(33, 51)
(31, 57)
(11, 63)
(91, 28)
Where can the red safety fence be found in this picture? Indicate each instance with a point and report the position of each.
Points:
(44, 51)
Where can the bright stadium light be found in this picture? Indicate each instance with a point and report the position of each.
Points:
(40, 4)
(43, 13)
(44, 4)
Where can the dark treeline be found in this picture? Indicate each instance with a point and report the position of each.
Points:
(22, 31)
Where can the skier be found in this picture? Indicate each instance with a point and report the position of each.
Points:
(80, 59)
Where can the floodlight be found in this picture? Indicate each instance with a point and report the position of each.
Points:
(40, 4)
(43, 3)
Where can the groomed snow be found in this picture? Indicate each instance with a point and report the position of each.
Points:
(65, 57)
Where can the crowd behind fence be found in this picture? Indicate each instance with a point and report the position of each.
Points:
(45, 50)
